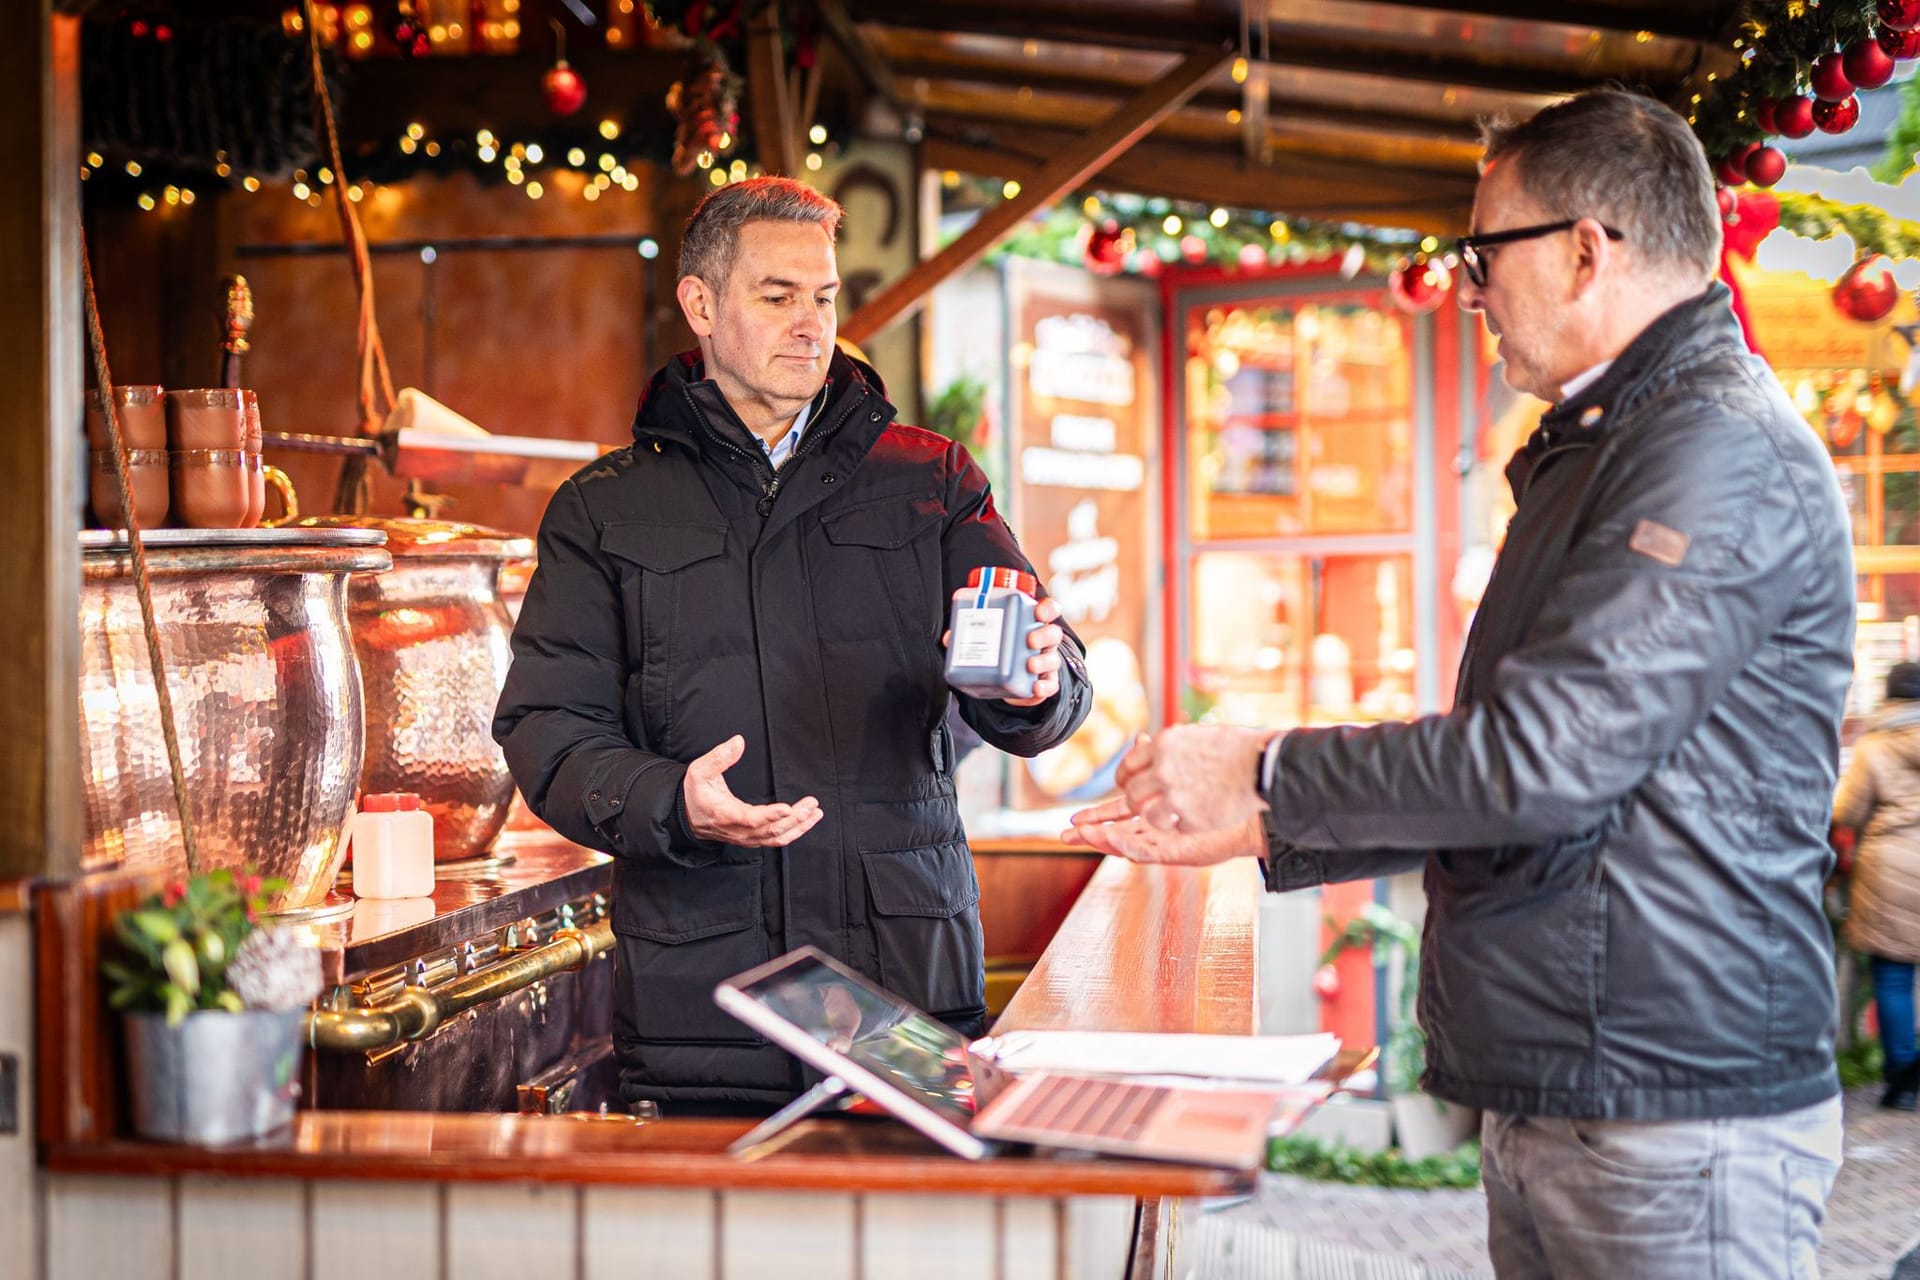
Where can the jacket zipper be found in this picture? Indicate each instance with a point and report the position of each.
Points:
(1541, 462)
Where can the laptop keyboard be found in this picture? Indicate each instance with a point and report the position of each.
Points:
(1084, 1108)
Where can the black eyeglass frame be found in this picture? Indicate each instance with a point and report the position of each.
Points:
(1469, 247)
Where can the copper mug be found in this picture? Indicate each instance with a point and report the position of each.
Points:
(146, 478)
(209, 418)
(143, 419)
(214, 489)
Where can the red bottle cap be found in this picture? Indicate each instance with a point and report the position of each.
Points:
(1005, 578)
(390, 802)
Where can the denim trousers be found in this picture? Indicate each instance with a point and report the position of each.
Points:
(1740, 1198)
(1893, 996)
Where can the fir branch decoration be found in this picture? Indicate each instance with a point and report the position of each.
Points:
(1815, 217)
(1903, 140)
(1778, 41)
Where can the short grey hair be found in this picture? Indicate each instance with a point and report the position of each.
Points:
(1624, 159)
(712, 236)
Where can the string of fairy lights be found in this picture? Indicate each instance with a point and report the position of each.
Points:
(589, 166)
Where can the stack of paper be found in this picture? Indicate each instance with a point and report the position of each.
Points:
(1277, 1060)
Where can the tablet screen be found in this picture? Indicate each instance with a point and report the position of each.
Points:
(856, 1023)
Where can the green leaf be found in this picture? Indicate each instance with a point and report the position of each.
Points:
(178, 1006)
(230, 1002)
(157, 925)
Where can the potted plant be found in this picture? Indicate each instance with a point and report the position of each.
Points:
(1424, 1125)
(214, 1003)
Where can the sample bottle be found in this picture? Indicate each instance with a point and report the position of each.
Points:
(992, 616)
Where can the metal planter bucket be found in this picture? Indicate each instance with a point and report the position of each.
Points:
(216, 1077)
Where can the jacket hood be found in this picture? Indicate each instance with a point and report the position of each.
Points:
(1898, 723)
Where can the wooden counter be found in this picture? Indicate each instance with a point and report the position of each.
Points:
(353, 1194)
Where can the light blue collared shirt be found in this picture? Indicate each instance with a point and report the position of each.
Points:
(780, 450)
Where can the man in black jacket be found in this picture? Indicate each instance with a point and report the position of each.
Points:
(729, 673)
(1622, 821)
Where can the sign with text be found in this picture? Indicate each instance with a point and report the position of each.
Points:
(1085, 430)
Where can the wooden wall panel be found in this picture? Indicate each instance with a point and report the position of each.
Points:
(1029, 1244)
(375, 1230)
(510, 1231)
(251, 1230)
(1098, 1237)
(947, 1239)
(762, 1233)
(109, 1228)
(629, 1234)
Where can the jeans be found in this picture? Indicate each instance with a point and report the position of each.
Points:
(1732, 1199)
(1893, 995)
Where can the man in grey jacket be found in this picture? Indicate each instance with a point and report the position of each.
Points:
(1622, 821)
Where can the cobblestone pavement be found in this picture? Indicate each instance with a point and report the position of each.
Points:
(1293, 1229)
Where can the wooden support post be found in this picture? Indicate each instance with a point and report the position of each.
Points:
(767, 86)
(40, 793)
(1074, 165)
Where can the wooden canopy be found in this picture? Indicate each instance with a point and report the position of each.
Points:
(1361, 110)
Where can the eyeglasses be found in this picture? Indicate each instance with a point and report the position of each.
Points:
(1475, 262)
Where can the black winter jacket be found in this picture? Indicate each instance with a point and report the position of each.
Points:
(685, 593)
(1630, 798)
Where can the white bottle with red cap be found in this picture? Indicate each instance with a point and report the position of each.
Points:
(992, 616)
(392, 847)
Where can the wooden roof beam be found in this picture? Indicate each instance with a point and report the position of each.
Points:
(984, 71)
(1667, 21)
(773, 127)
(1134, 28)
(1066, 171)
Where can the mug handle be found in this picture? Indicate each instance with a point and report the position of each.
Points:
(280, 483)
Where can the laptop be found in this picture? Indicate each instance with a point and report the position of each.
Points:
(868, 1041)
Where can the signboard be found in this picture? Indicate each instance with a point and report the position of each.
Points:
(1085, 431)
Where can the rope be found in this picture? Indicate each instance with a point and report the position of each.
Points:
(375, 390)
(110, 411)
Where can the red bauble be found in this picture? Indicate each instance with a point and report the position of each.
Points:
(1794, 116)
(1419, 285)
(565, 91)
(1837, 117)
(1728, 202)
(1763, 114)
(1897, 15)
(1867, 64)
(1106, 248)
(1729, 172)
(1867, 292)
(1193, 248)
(1829, 78)
(1326, 982)
(1899, 44)
(1765, 166)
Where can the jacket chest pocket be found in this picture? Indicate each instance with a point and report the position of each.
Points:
(660, 569)
(894, 544)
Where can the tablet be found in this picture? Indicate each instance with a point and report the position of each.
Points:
(843, 1025)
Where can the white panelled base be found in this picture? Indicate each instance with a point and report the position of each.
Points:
(99, 1228)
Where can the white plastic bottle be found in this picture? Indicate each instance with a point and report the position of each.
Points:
(392, 847)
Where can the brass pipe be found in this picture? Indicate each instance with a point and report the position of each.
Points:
(417, 1011)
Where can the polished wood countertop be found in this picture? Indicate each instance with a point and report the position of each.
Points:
(1143, 949)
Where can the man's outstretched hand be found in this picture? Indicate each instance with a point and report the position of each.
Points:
(715, 813)
(1114, 828)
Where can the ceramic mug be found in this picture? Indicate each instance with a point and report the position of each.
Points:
(146, 477)
(210, 488)
(143, 418)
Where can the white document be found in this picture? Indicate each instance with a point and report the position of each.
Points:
(1267, 1059)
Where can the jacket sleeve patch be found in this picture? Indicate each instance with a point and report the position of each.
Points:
(1657, 542)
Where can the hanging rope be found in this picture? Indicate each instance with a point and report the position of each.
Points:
(110, 411)
(375, 389)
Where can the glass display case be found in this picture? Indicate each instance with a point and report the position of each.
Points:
(1311, 546)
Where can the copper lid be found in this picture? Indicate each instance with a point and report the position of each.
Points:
(410, 537)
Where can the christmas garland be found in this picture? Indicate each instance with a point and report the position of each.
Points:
(1903, 140)
(1814, 217)
(196, 98)
(1778, 43)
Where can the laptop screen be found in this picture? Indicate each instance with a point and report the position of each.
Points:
(848, 1027)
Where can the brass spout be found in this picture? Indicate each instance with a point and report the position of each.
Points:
(415, 1012)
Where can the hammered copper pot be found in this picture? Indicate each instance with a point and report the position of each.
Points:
(266, 701)
(431, 636)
